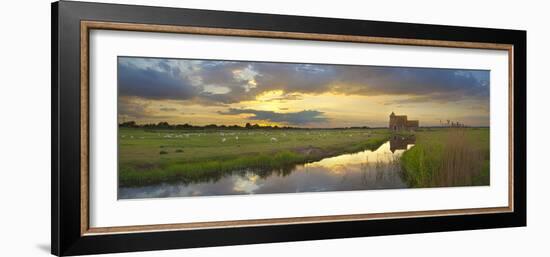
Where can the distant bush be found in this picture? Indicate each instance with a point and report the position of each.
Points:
(179, 151)
(163, 152)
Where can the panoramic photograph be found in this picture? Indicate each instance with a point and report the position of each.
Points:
(195, 127)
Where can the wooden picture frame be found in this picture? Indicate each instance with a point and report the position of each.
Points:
(71, 25)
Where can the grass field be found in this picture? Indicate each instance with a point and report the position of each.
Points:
(155, 156)
(440, 157)
(448, 157)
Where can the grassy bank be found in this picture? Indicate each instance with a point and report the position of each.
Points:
(155, 156)
(448, 157)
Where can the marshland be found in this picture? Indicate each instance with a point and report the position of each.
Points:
(171, 162)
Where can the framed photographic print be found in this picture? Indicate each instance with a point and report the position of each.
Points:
(177, 128)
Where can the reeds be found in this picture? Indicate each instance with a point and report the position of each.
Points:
(462, 160)
(452, 157)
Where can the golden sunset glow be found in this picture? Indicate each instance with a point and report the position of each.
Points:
(301, 95)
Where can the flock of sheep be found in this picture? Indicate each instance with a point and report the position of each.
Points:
(224, 136)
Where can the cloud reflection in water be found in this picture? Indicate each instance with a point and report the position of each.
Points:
(364, 170)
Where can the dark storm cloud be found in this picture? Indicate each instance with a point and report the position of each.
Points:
(443, 85)
(165, 79)
(416, 81)
(221, 73)
(161, 82)
(295, 118)
(421, 84)
(302, 78)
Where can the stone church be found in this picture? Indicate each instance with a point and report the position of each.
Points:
(400, 122)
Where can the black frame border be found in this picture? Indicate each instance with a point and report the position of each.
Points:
(66, 236)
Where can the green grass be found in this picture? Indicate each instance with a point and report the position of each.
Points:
(206, 155)
(448, 157)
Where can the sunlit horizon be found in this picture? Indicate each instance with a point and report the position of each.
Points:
(203, 92)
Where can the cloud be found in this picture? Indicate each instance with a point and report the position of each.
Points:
(207, 82)
(423, 84)
(168, 109)
(161, 82)
(133, 108)
(294, 78)
(294, 118)
(226, 82)
(279, 96)
(137, 108)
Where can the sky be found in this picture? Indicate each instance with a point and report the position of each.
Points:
(202, 92)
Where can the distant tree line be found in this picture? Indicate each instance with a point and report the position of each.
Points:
(186, 126)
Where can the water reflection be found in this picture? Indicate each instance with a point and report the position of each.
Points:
(379, 169)
(399, 142)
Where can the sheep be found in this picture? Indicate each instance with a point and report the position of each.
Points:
(236, 137)
(223, 139)
(273, 139)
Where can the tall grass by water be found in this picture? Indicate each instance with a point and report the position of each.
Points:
(448, 157)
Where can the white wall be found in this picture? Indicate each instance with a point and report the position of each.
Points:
(25, 127)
